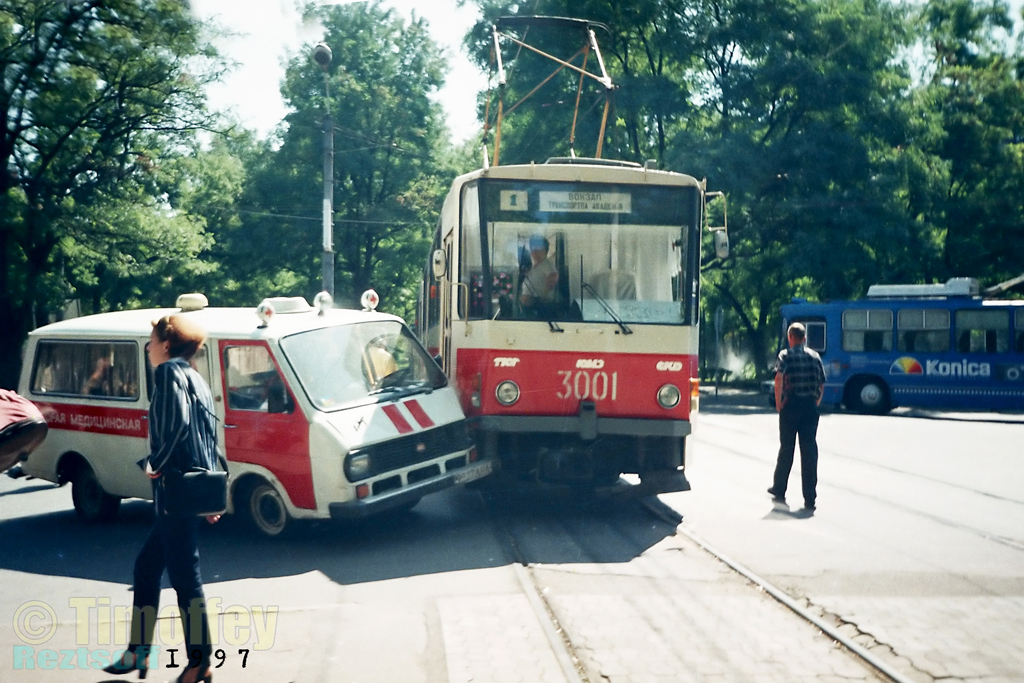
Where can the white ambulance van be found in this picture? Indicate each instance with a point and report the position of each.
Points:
(322, 412)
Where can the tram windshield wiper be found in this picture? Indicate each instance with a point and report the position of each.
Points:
(586, 287)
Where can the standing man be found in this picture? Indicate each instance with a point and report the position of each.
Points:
(799, 383)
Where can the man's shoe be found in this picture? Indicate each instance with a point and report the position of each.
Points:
(776, 496)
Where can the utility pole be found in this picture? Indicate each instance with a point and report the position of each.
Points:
(322, 55)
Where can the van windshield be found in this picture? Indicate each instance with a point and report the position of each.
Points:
(350, 364)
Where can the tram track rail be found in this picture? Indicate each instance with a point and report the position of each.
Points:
(561, 640)
(667, 514)
(561, 644)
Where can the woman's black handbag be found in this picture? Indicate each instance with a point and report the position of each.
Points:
(196, 493)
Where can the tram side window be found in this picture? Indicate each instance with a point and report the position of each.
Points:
(1018, 326)
(983, 331)
(867, 330)
(253, 381)
(87, 369)
(471, 270)
(922, 330)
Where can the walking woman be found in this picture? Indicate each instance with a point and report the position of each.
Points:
(182, 433)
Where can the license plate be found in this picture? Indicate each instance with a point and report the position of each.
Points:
(473, 474)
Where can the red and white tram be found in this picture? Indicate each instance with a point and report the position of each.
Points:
(562, 298)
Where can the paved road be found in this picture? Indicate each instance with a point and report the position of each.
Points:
(917, 542)
(920, 551)
(467, 588)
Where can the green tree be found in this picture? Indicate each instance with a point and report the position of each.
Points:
(801, 122)
(96, 96)
(793, 107)
(640, 52)
(389, 169)
(976, 100)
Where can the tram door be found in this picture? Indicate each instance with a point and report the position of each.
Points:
(447, 291)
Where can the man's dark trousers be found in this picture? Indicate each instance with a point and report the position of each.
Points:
(799, 417)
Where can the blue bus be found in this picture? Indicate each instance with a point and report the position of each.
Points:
(930, 346)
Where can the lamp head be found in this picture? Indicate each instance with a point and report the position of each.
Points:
(322, 55)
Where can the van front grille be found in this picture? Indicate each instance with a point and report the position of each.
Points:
(411, 449)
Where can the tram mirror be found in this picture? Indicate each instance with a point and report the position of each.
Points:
(439, 263)
(721, 244)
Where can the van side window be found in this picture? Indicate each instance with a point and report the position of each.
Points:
(983, 331)
(87, 369)
(867, 330)
(253, 382)
(923, 330)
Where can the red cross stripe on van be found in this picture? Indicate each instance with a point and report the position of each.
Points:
(415, 411)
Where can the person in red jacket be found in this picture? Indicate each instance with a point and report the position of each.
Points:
(22, 428)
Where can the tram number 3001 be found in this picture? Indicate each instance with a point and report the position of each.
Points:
(582, 385)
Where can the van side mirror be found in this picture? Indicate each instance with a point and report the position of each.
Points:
(721, 244)
(439, 262)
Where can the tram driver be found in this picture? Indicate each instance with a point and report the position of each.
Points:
(540, 284)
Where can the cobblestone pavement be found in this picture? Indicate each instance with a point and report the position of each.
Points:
(676, 614)
(916, 556)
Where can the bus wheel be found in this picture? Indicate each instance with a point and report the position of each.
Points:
(92, 503)
(266, 509)
(869, 396)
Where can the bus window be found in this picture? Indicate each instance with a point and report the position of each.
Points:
(1018, 326)
(815, 336)
(90, 369)
(982, 331)
(867, 330)
(922, 330)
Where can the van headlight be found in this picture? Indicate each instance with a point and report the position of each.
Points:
(507, 392)
(358, 466)
(668, 396)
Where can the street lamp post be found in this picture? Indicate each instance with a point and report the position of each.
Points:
(322, 55)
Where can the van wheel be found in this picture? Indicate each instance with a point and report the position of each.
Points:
(869, 396)
(267, 510)
(92, 503)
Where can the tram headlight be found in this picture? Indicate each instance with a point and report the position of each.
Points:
(358, 466)
(669, 396)
(507, 392)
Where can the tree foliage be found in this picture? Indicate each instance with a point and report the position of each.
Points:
(843, 166)
(389, 166)
(96, 96)
(844, 161)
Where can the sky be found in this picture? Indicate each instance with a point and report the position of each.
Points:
(269, 31)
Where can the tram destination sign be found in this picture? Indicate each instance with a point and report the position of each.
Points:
(586, 202)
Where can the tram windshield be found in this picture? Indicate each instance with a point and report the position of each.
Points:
(587, 252)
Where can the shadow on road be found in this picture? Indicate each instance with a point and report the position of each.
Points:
(450, 531)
